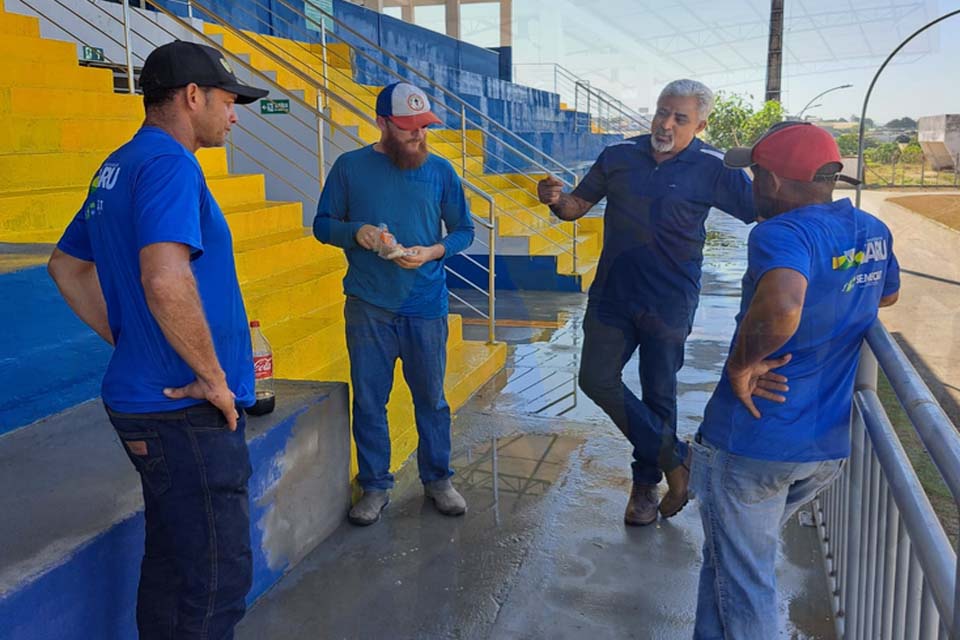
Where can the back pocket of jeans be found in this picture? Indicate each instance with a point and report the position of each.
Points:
(146, 452)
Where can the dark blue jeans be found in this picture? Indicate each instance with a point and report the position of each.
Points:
(197, 566)
(611, 335)
(375, 339)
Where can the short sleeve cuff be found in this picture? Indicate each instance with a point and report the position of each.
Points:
(74, 251)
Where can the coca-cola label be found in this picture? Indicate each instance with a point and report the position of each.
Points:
(262, 367)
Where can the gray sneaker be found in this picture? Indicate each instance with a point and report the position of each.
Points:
(448, 500)
(368, 508)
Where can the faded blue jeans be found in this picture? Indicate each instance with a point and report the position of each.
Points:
(744, 502)
(197, 565)
(375, 339)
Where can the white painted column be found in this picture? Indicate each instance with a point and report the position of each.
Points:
(453, 18)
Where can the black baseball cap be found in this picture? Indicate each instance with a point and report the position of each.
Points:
(178, 63)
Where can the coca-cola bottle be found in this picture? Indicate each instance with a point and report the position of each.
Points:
(262, 372)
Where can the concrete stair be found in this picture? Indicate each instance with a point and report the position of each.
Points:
(61, 120)
(515, 194)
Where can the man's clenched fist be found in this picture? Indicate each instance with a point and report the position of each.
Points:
(549, 190)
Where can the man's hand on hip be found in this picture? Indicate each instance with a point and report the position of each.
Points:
(218, 394)
(759, 380)
(368, 237)
(549, 190)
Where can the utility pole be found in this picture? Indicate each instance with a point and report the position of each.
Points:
(775, 51)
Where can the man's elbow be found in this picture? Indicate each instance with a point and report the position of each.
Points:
(63, 267)
(890, 300)
(162, 286)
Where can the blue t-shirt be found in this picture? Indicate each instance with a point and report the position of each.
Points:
(653, 227)
(847, 257)
(365, 187)
(152, 190)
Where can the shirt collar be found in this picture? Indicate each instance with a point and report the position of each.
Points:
(688, 155)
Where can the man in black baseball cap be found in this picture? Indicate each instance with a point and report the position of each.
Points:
(148, 263)
(178, 63)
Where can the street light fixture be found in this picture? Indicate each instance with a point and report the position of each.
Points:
(814, 99)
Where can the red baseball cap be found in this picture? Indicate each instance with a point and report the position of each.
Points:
(793, 150)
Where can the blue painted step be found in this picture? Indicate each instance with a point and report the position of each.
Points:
(72, 531)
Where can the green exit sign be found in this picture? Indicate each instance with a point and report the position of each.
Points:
(93, 54)
(273, 107)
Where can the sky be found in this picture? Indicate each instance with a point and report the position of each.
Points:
(632, 48)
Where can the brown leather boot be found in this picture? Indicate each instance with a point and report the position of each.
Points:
(678, 482)
(642, 506)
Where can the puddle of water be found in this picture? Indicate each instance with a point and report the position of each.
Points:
(507, 472)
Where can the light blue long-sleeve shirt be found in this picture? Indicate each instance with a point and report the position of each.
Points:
(365, 187)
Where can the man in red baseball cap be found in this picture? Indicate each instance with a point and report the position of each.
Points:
(777, 428)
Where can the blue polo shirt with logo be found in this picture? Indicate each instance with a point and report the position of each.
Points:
(152, 190)
(846, 256)
(654, 224)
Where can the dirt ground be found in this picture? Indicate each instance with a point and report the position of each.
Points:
(944, 208)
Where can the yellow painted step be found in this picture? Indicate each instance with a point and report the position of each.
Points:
(14, 24)
(592, 223)
(47, 135)
(43, 213)
(25, 47)
(267, 255)
(23, 171)
(31, 102)
(305, 343)
(263, 218)
(237, 189)
(290, 294)
(474, 137)
(16, 73)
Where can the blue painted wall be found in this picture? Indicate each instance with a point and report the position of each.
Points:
(531, 273)
(91, 592)
(51, 360)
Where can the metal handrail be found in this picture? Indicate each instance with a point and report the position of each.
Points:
(433, 84)
(280, 58)
(602, 97)
(126, 22)
(892, 570)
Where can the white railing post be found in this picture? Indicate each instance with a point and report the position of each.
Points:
(128, 47)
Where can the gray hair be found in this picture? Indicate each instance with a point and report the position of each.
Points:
(686, 88)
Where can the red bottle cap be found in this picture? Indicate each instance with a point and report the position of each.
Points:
(254, 324)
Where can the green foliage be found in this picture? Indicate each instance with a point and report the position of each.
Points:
(735, 123)
(848, 144)
(912, 153)
(884, 153)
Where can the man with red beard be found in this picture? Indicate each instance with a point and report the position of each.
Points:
(659, 189)
(397, 294)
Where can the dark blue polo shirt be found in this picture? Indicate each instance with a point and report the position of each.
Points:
(653, 229)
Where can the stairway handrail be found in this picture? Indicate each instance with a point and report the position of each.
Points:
(435, 85)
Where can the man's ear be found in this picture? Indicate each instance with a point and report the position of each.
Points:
(701, 127)
(192, 96)
(382, 123)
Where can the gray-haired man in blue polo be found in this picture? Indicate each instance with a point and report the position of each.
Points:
(659, 189)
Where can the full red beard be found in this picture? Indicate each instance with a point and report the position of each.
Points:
(401, 155)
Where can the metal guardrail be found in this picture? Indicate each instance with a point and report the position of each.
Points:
(607, 113)
(313, 69)
(318, 113)
(892, 571)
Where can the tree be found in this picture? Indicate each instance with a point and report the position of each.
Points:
(912, 153)
(902, 124)
(848, 144)
(734, 123)
(884, 153)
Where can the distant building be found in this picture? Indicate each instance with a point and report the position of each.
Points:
(939, 137)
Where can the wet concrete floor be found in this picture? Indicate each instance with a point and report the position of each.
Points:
(543, 551)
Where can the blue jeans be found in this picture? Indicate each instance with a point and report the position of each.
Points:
(744, 502)
(610, 337)
(197, 566)
(375, 339)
